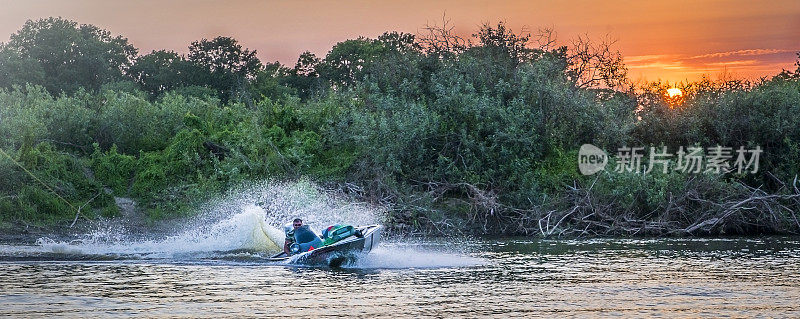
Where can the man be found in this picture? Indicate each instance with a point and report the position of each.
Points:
(300, 238)
(297, 223)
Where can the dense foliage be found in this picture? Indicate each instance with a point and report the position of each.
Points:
(447, 132)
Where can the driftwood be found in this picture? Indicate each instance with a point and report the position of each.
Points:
(770, 206)
(750, 210)
(580, 212)
(78, 212)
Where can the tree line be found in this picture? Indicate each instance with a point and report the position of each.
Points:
(472, 133)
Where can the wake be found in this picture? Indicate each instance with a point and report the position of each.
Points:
(242, 227)
(248, 220)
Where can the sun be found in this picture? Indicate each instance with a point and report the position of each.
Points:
(674, 92)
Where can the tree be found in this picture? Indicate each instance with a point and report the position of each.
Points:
(304, 77)
(591, 64)
(224, 54)
(797, 63)
(442, 41)
(226, 64)
(18, 70)
(391, 55)
(402, 68)
(269, 83)
(161, 71)
(503, 40)
(400, 42)
(786, 74)
(346, 62)
(494, 59)
(68, 55)
(307, 65)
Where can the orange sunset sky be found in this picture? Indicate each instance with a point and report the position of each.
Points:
(668, 40)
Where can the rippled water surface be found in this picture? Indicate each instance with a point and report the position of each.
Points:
(441, 278)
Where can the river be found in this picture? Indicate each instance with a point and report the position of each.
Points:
(510, 277)
(214, 265)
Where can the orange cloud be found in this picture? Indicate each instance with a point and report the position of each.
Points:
(749, 52)
(747, 63)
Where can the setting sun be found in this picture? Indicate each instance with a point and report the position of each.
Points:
(674, 92)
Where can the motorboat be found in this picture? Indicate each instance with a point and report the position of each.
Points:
(338, 252)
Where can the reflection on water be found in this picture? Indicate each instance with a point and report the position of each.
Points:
(512, 277)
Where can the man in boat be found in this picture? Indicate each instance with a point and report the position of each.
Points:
(300, 238)
(297, 223)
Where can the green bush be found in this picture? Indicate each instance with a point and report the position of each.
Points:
(113, 169)
(61, 185)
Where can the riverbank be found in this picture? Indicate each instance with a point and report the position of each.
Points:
(703, 206)
(582, 213)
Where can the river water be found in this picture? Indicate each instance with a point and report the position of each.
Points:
(509, 277)
(214, 265)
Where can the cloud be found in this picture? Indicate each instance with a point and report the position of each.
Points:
(750, 63)
(642, 58)
(735, 63)
(749, 52)
(668, 65)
